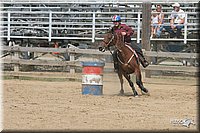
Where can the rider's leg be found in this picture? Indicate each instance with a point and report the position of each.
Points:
(115, 60)
(138, 50)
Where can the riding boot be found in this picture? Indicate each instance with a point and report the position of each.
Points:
(142, 60)
(116, 66)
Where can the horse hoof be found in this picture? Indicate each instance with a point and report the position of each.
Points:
(136, 96)
(145, 93)
(120, 94)
(145, 90)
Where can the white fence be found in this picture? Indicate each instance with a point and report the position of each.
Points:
(79, 25)
(96, 1)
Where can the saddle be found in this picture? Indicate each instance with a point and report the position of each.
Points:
(131, 48)
(134, 54)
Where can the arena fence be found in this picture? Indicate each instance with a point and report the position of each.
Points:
(73, 63)
(57, 20)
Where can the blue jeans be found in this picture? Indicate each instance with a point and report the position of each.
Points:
(171, 31)
(159, 31)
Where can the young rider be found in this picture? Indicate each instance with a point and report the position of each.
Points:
(127, 32)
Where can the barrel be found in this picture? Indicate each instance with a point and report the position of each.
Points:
(92, 78)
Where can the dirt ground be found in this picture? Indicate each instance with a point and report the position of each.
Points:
(59, 105)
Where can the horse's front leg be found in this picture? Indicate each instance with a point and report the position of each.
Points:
(121, 82)
(127, 76)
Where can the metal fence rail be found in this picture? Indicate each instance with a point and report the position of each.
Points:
(78, 25)
(95, 1)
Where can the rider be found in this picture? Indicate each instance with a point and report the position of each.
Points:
(126, 31)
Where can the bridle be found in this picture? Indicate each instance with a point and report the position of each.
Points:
(107, 43)
(103, 49)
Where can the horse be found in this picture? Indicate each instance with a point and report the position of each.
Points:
(127, 60)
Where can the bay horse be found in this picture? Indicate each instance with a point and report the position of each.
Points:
(127, 60)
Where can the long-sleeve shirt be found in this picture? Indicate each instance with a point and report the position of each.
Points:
(123, 28)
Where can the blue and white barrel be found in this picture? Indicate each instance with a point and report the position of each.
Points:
(92, 78)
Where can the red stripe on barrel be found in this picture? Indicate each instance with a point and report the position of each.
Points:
(92, 70)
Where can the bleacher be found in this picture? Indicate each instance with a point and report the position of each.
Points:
(190, 31)
(84, 20)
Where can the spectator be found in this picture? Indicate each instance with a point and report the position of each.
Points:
(157, 21)
(177, 20)
(154, 23)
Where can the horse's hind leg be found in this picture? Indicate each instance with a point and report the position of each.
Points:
(139, 81)
(121, 82)
(131, 84)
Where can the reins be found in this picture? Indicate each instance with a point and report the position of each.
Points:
(109, 41)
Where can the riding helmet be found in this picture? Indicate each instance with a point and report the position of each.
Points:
(116, 18)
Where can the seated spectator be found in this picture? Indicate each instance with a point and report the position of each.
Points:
(157, 21)
(154, 24)
(177, 20)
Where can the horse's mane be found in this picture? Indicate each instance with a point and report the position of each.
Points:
(119, 38)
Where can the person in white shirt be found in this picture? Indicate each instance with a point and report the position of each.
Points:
(157, 20)
(154, 24)
(177, 20)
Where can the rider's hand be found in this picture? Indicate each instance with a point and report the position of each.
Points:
(123, 33)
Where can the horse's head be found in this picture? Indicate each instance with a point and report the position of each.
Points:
(107, 41)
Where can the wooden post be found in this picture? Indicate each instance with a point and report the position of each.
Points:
(146, 23)
(72, 58)
(16, 66)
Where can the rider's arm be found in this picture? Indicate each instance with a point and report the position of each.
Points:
(129, 31)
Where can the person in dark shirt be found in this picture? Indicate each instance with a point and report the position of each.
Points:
(127, 32)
